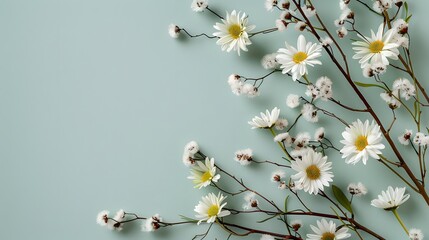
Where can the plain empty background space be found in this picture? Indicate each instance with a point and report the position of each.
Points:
(97, 102)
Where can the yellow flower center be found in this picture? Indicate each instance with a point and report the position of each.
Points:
(299, 57)
(376, 46)
(361, 142)
(206, 176)
(235, 31)
(213, 211)
(328, 236)
(313, 172)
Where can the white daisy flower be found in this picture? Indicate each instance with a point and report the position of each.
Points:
(404, 138)
(390, 199)
(361, 140)
(269, 61)
(266, 120)
(244, 157)
(233, 32)
(210, 208)
(199, 5)
(357, 189)
(151, 224)
(313, 172)
(203, 174)
(250, 201)
(173, 30)
(327, 231)
(415, 234)
(103, 218)
(377, 48)
(292, 100)
(295, 60)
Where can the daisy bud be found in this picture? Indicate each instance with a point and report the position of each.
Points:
(281, 123)
(415, 234)
(250, 201)
(277, 176)
(282, 185)
(300, 26)
(342, 32)
(244, 157)
(319, 134)
(296, 225)
(326, 41)
(292, 100)
(269, 61)
(199, 5)
(270, 4)
(285, 138)
(404, 138)
(103, 218)
(281, 25)
(173, 30)
(286, 4)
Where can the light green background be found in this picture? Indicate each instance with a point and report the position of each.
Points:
(97, 101)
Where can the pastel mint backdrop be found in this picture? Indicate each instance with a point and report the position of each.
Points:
(97, 102)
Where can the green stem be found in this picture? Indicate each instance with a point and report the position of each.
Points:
(399, 220)
(281, 145)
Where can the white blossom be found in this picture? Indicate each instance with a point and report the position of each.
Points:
(199, 5)
(269, 61)
(244, 157)
(309, 113)
(173, 30)
(151, 224)
(292, 100)
(404, 138)
(281, 123)
(415, 234)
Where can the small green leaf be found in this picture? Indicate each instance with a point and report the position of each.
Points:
(406, 8)
(286, 200)
(407, 20)
(361, 84)
(342, 199)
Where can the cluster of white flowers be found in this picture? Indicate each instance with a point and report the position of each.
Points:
(382, 5)
(239, 87)
(151, 224)
(401, 28)
(357, 189)
(244, 157)
(401, 88)
(189, 152)
(114, 223)
(322, 89)
(346, 15)
(421, 139)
